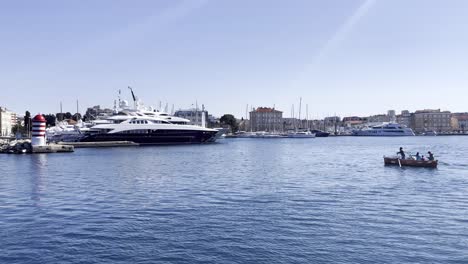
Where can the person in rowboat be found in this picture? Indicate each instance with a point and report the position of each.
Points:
(402, 153)
(418, 157)
(431, 156)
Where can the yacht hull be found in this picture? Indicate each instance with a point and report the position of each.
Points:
(300, 136)
(381, 134)
(160, 137)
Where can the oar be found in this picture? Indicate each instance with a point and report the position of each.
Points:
(399, 162)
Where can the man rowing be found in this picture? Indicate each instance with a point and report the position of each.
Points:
(401, 153)
(431, 156)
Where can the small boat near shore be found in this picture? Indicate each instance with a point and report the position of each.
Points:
(410, 162)
(300, 134)
(320, 133)
(259, 134)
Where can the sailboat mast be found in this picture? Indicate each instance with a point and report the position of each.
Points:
(251, 120)
(335, 121)
(293, 117)
(246, 116)
(274, 118)
(300, 105)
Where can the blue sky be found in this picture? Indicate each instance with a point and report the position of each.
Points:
(349, 57)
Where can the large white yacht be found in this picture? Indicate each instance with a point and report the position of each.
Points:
(148, 130)
(385, 130)
(139, 124)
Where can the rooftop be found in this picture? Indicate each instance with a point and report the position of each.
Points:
(430, 111)
(266, 110)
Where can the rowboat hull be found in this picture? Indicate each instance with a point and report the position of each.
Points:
(411, 163)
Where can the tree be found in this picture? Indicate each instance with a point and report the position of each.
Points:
(68, 115)
(59, 117)
(50, 120)
(27, 121)
(229, 120)
(76, 117)
(18, 129)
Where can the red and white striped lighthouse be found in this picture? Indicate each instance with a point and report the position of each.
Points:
(38, 131)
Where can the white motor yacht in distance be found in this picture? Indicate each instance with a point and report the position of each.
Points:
(385, 130)
(300, 134)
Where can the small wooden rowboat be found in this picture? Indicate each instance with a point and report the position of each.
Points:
(410, 162)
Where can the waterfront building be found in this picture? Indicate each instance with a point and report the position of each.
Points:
(404, 118)
(378, 119)
(213, 121)
(290, 123)
(329, 124)
(93, 113)
(196, 116)
(331, 120)
(391, 115)
(354, 121)
(459, 122)
(14, 118)
(318, 124)
(382, 118)
(266, 119)
(294, 124)
(19, 120)
(6, 124)
(431, 120)
(244, 124)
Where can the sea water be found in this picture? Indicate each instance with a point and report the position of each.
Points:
(322, 200)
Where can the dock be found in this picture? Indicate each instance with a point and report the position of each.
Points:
(52, 148)
(107, 144)
(25, 147)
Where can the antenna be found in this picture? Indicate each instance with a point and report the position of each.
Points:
(134, 98)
